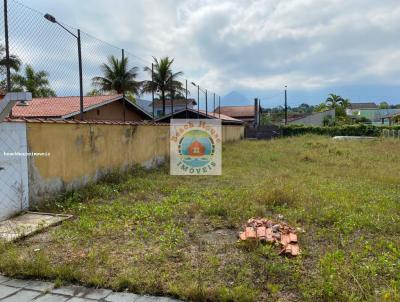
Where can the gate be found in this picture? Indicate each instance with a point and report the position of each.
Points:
(13, 169)
(262, 132)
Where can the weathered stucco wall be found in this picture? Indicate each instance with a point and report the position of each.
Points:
(82, 153)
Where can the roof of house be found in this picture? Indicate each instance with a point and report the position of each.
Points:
(66, 107)
(303, 116)
(91, 122)
(144, 104)
(192, 113)
(392, 113)
(237, 111)
(176, 102)
(365, 105)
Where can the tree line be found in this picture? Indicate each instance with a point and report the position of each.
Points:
(117, 77)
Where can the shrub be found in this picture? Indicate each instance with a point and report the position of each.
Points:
(345, 130)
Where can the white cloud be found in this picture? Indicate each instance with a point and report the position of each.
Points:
(253, 44)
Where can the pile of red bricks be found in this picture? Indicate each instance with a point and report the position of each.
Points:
(264, 230)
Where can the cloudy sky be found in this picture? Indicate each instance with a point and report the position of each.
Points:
(350, 47)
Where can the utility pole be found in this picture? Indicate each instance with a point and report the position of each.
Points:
(285, 105)
(123, 85)
(52, 19)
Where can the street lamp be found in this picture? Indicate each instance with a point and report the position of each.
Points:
(52, 19)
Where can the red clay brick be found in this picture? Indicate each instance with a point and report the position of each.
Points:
(250, 233)
(261, 233)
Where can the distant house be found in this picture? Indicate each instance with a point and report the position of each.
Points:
(102, 107)
(314, 119)
(375, 116)
(177, 104)
(247, 114)
(355, 107)
(391, 118)
(193, 113)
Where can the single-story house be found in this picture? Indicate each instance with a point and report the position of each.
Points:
(102, 107)
(192, 114)
(376, 116)
(354, 108)
(389, 118)
(248, 114)
(178, 105)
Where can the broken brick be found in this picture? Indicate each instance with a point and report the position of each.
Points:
(250, 233)
(266, 230)
(262, 233)
(293, 237)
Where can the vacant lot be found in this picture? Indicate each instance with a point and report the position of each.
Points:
(153, 233)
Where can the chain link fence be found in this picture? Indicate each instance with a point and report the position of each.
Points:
(51, 59)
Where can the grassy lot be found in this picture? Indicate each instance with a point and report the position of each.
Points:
(157, 234)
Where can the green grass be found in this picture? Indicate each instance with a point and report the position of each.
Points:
(165, 235)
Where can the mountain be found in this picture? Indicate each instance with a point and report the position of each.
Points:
(235, 98)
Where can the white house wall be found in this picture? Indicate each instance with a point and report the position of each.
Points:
(13, 169)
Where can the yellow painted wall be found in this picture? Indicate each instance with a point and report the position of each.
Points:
(81, 153)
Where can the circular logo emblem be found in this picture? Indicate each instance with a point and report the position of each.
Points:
(196, 148)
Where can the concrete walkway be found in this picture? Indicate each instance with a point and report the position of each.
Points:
(13, 290)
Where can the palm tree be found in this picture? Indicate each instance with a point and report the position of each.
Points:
(117, 77)
(35, 82)
(13, 62)
(164, 81)
(333, 101)
(345, 103)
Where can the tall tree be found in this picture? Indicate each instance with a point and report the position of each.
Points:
(333, 101)
(164, 80)
(384, 105)
(35, 82)
(117, 77)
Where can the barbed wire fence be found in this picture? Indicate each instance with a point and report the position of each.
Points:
(59, 65)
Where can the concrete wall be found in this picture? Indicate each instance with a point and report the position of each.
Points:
(13, 169)
(315, 119)
(82, 153)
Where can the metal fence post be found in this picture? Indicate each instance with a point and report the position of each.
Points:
(152, 89)
(7, 46)
(198, 101)
(80, 75)
(186, 99)
(123, 85)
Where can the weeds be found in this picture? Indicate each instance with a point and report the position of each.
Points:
(143, 231)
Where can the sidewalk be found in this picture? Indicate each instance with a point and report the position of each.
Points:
(13, 290)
